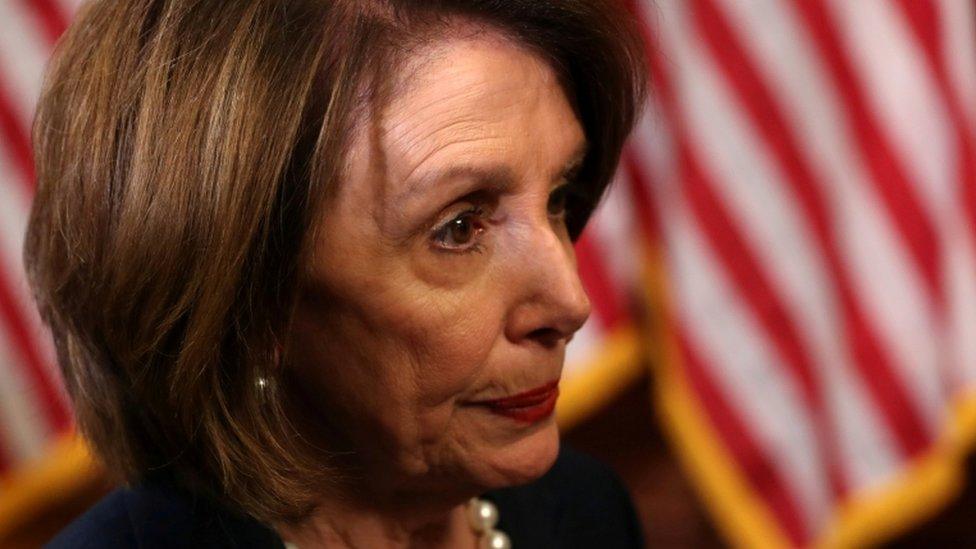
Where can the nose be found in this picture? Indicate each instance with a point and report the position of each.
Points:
(553, 304)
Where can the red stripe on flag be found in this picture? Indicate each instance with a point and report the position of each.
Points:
(15, 322)
(15, 138)
(51, 17)
(766, 115)
(923, 17)
(757, 467)
(750, 280)
(607, 305)
(887, 174)
(752, 284)
(639, 185)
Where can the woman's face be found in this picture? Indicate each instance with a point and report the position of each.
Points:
(444, 277)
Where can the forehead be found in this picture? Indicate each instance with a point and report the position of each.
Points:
(481, 76)
(476, 98)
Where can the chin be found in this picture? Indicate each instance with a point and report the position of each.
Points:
(526, 459)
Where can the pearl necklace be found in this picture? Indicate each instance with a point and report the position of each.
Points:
(482, 518)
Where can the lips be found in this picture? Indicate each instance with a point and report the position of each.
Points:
(527, 407)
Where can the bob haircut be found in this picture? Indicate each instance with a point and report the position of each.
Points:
(182, 151)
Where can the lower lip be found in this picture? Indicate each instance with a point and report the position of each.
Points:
(541, 408)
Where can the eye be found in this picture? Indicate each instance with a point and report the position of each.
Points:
(556, 206)
(460, 234)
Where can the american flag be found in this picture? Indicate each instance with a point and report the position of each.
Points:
(791, 243)
(811, 175)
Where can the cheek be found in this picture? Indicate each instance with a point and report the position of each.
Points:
(450, 334)
(416, 344)
(452, 314)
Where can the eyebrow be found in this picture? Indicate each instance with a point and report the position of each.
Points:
(576, 160)
(494, 177)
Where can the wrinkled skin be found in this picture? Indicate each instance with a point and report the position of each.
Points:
(405, 323)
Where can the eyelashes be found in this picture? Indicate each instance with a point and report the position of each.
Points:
(460, 234)
(556, 205)
(463, 233)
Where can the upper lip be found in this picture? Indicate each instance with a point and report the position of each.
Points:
(531, 397)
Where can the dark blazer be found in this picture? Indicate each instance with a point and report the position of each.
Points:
(578, 503)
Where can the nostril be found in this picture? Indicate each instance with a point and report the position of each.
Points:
(548, 337)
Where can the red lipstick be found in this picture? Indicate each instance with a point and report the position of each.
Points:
(528, 407)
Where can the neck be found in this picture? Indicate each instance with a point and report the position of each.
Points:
(355, 526)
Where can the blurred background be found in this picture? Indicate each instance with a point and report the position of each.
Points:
(783, 346)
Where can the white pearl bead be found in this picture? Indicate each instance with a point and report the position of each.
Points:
(495, 540)
(482, 515)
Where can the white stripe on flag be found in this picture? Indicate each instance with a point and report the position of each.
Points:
(14, 213)
(13, 216)
(783, 53)
(884, 279)
(758, 197)
(960, 273)
(70, 6)
(739, 357)
(616, 236)
(887, 56)
(23, 432)
(892, 297)
(959, 51)
(23, 57)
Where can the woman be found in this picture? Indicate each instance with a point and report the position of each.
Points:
(308, 265)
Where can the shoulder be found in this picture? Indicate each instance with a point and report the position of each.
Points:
(580, 502)
(104, 525)
(149, 516)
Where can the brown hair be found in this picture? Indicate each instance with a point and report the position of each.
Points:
(182, 148)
